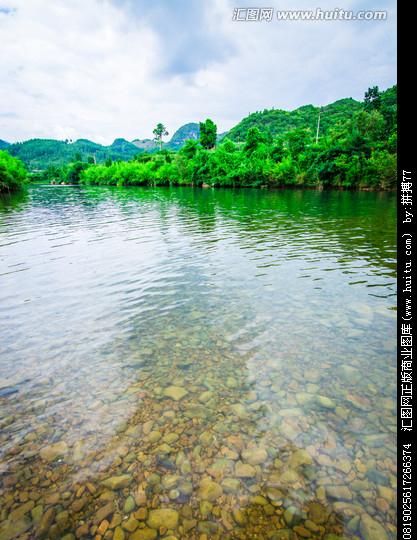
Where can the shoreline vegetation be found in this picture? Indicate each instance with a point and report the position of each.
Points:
(356, 151)
(13, 174)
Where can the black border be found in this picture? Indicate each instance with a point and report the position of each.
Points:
(406, 140)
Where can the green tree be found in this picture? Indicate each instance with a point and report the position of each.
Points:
(372, 98)
(159, 132)
(73, 172)
(297, 141)
(253, 139)
(189, 149)
(13, 174)
(208, 134)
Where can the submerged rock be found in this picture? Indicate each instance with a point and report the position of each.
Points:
(317, 512)
(371, 529)
(175, 392)
(19, 512)
(239, 516)
(341, 493)
(299, 458)
(163, 517)
(244, 470)
(209, 490)
(53, 451)
(12, 529)
(119, 534)
(254, 456)
(104, 512)
(231, 485)
(292, 515)
(129, 505)
(325, 402)
(45, 522)
(117, 482)
(144, 534)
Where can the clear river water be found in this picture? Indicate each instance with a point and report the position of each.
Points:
(197, 364)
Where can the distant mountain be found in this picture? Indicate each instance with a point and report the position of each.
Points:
(183, 134)
(277, 122)
(40, 153)
(147, 145)
(3, 144)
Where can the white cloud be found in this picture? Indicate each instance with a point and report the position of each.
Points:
(99, 69)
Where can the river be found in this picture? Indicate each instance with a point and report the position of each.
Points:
(182, 362)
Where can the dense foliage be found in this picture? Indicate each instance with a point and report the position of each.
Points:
(12, 173)
(358, 152)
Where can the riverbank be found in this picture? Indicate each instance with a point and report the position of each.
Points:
(208, 186)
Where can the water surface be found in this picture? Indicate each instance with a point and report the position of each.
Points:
(226, 355)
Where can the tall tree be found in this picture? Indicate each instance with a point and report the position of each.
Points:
(208, 134)
(372, 98)
(159, 132)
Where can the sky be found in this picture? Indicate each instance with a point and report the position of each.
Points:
(102, 69)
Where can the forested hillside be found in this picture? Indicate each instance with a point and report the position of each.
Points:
(276, 122)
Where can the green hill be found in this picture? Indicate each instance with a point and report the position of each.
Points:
(3, 144)
(277, 122)
(41, 153)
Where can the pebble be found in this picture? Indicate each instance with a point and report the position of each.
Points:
(244, 470)
(317, 513)
(230, 485)
(119, 534)
(117, 482)
(140, 496)
(163, 517)
(254, 456)
(9, 530)
(45, 522)
(131, 524)
(54, 451)
(371, 529)
(341, 493)
(175, 392)
(144, 534)
(298, 458)
(239, 516)
(104, 512)
(129, 505)
(20, 511)
(325, 402)
(209, 490)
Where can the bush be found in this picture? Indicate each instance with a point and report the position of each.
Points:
(13, 174)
